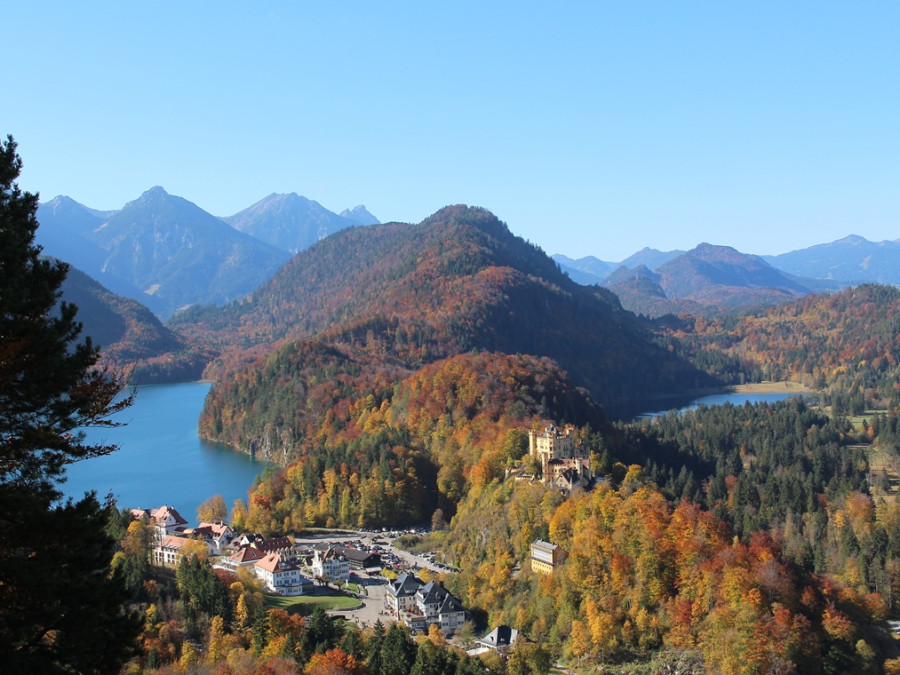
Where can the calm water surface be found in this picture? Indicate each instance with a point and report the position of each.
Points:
(161, 459)
(732, 398)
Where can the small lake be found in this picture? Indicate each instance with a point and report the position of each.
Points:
(161, 459)
(734, 398)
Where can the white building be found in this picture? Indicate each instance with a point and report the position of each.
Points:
(280, 576)
(217, 535)
(330, 566)
(169, 550)
(167, 520)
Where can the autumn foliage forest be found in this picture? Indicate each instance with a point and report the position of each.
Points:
(393, 372)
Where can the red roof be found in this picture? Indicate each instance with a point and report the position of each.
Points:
(217, 529)
(165, 511)
(246, 555)
(273, 544)
(173, 542)
(271, 563)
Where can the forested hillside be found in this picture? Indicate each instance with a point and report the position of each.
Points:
(368, 450)
(728, 539)
(394, 371)
(846, 344)
(459, 281)
(131, 337)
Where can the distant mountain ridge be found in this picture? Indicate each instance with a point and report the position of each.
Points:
(175, 253)
(711, 278)
(851, 260)
(707, 278)
(360, 215)
(592, 270)
(585, 271)
(704, 272)
(292, 222)
(65, 233)
(168, 253)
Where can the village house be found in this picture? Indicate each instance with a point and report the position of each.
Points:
(169, 550)
(499, 640)
(401, 593)
(439, 606)
(165, 520)
(216, 535)
(546, 557)
(359, 560)
(421, 605)
(245, 557)
(280, 576)
(283, 546)
(331, 566)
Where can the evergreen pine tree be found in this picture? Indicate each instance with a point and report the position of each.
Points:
(398, 651)
(58, 599)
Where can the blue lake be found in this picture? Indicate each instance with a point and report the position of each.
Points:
(732, 398)
(161, 459)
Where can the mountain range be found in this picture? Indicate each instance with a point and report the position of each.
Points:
(591, 270)
(849, 261)
(709, 279)
(168, 253)
(292, 223)
(402, 295)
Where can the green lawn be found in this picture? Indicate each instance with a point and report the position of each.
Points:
(305, 604)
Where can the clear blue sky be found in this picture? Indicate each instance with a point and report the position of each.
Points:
(592, 128)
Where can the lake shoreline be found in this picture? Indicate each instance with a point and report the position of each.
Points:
(754, 390)
(766, 387)
(161, 458)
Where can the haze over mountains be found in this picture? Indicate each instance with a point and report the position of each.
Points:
(710, 278)
(851, 260)
(168, 253)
